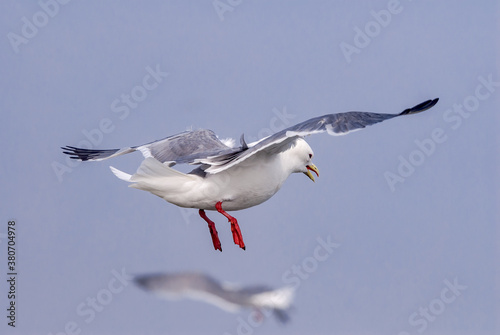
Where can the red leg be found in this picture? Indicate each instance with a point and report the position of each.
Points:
(235, 229)
(258, 316)
(213, 231)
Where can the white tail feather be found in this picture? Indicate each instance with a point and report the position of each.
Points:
(151, 168)
(161, 180)
(120, 174)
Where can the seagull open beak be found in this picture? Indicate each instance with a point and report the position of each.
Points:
(313, 168)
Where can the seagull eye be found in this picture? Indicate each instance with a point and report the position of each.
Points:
(310, 156)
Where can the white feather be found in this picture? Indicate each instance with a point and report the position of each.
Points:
(145, 151)
(120, 174)
(230, 142)
(280, 298)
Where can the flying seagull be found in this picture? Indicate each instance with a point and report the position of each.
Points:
(229, 297)
(230, 178)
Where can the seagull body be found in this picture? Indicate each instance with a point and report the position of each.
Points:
(231, 178)
(236, 187)
(229, 297)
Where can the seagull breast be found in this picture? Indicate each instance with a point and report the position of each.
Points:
(247, 184)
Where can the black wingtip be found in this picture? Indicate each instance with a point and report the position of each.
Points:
(141, 281)
(420, 107)
(281, 315)
(73, 153)
(87, 154)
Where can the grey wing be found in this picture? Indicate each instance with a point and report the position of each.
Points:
(334, 124)
(178, 283)
(185, 147)
(181, 148)
(344, 123)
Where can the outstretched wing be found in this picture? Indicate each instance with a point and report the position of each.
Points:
(181, 148)
(334, 124)
(178, 283)
(203, 147)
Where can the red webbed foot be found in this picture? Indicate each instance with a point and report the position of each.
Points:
(235, 228)
(213, 230)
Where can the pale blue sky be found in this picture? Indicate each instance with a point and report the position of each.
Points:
(399, 246)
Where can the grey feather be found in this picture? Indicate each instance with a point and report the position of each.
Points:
(176, 149)
(335, 124)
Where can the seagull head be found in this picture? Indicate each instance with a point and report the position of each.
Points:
(302, 154)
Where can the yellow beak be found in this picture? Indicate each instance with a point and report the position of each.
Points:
(313, 168)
